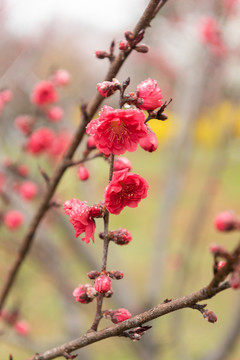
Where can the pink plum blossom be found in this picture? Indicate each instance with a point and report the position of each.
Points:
(150, 93)
(117, 131)
(80, 218)
(125, 189)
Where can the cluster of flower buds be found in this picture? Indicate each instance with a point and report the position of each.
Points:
(84, 293)
(119, 237)
(132, 42)
(114, 274)
(20, 170)
(211, 35)
(226, 221)
(117, 316)
(43, 140)
(108, 88)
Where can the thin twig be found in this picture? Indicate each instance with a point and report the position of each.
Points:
(26, 243)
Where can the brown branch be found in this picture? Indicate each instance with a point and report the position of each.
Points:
(117, 330)
(143, 22)
(225, 270)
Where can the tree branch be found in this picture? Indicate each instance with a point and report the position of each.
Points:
(143, 22)
(117, 330)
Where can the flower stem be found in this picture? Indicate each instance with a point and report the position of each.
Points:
(106, 221)
(98, 314)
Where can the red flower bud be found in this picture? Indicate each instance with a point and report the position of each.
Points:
(91, 143)
(13, 219)
(102, 284)
(124, 45)
(221, 264)
(225, 221)
(96, 211)
(235, 278)
(117, 316)
(101, 54)
(122, 163)
(55, 114)
(22, 327)
(84, 293)
(120, 236)
(83, 173)
(150, 142)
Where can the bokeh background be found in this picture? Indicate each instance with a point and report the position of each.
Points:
(194, 174)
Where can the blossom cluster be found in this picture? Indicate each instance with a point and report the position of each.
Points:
(41, 136)
(114, 132)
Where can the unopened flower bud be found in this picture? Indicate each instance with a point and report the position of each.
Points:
(210, 316)
(84, 293)
(109, 293)
(120, 236)
(142, 48)
(101, 54)
(93, 274)
(102, 284)
(235, 278)
(122, 163)
(116, 274)
(13, 219)
(150, 142)
(28, 190)
(124, 45)
(97, 211)
(91, 143)
(225, 221)
(6, 96)
(117, 316)
(22, 327)
(129, 35)
(24, 123)
(217, 249)
(23, 170)
(83, 173)
(107, 88)
(55, 114)
(161, 116)
(61, 78)
(221, 264)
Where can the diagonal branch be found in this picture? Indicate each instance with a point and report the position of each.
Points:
(117, 330)
(143, 23)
